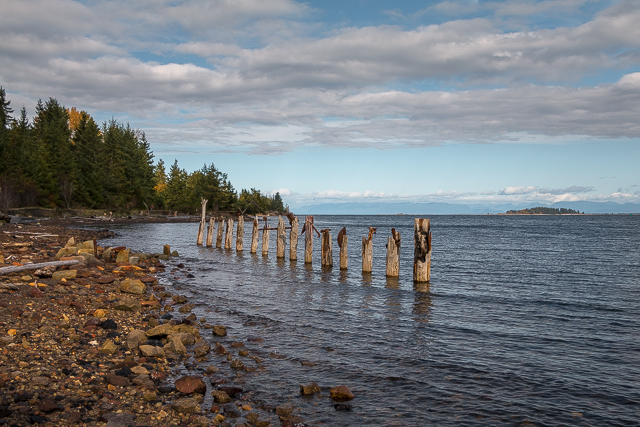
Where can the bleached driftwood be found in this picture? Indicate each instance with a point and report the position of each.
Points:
(26, 267)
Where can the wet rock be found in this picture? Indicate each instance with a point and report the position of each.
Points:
(202, 350)
(230, 410)
(151, 351)
(219, 330)
(144, 381)
(123, 256)
(121, 419)
(108, 324)
(160, 331)
(185, 337)
(109, 347)
(117, 380)
(149, 396)
(139, 370)
(48, 405)
(179, 299)
(105, 280)
(100, 313)
(64, 274)
(237, 364)
(188, 329)
(135, 338)
(186, 308)
(219, 349)
(243, 353)
(132, 286)
(175, 345)
(127, 304)
(232, 391)
(309, 389)
(39, 381)
(342, 407)
(236, 344)
(200, 421)
(211, 370)
(284, 410)
(186, 405)
(190, 384)
(220, 396)
(341, 392)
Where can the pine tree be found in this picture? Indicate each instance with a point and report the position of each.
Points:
(88, 151)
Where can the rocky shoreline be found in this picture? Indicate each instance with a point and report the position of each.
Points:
(101, 343)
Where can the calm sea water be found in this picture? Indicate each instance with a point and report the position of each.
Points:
(526, 319)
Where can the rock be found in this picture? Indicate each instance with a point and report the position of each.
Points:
(243, 353)
(237, 364)
(342, 407)
(139, 370)
(108, 347)
(64, 274)
(134, 260)
(341, 392)
(39, 381)
(144, 381)
(185, 337)
(135, 338)
(219, 330)
(211, 370)
(202, 350)
(151, 351)
(160, 331)
(186, 405)
(201, 421)
(149, 396)
(66, 251)
(220, 396)
(123, 256)
(133, 286)
(121, 419)
(175, 254)
(186, 308)
(117, 380)
(309, 389)
(175, 345)
(109, 324)
(190, 384)
(188, 329)
(232, 391)
(231, 411)
(284, 410)
(48, 405)
(219, 349)
(127, 304)
(100, 313)
(105, 280)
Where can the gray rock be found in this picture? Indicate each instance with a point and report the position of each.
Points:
(135, 338)
(122, 419)
(127, 304)
(151, 351)
(186, 405)
(231, 411)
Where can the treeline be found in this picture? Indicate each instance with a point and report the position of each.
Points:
(543, 210)
(64, 159)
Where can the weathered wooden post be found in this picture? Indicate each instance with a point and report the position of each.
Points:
(422, 250)
(342, 244)
(240, 233)
(293, 237)
(202, 221)
(327, 248)
(212, 224)
(265, 237)
(367, 251)
(220, 232)
(229, 236)
(281, 239)
(254, 236)
(308, 239)
(393, 254)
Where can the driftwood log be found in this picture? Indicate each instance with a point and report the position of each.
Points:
(26, 267)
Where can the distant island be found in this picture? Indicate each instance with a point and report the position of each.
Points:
(543, 210)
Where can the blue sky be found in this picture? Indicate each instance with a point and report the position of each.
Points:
(471, 102)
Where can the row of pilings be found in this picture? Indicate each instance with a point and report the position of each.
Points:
(224, 235)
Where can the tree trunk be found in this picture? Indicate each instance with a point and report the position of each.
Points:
(327, 249)
(281, 239)
(422, 250)
(293, 240)
(229, 236)
(202, 222)
(344, 258)
(240, 234)
(393, 255)
(308, 240)
(212, 224)
(367, 255)
(254, 236)
(265, 240)
(220, 232)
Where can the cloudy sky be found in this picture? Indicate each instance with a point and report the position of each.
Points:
(464, 101)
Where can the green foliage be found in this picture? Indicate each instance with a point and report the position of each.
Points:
(64, 159)
(542, 210)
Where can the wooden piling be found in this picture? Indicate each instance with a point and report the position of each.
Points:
(220, 232)
(281, 239)
(422, 250)
(229, 236)
(327, 248)
(342, 244)
(166, 250)
(367, 251)
(308, 239)
(265, 239)
(212, 224)
(293, 238)
(393, 254)
(254, 236)
(240, 234)
(202, 222)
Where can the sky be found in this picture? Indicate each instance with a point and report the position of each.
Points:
(460, 101)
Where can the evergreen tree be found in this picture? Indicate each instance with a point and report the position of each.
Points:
(88, 152)
(176, 192)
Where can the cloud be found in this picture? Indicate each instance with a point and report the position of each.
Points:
(517, 190)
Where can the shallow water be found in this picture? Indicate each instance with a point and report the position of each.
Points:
(527, 318)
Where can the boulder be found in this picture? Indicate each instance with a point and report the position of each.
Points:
(341, 392)
(175, 345)
(108, 347)
(219, 330)
(135, 338)
(309, 389)
(202, 350)
(117, 380)
(151, 351)
(185, 337)
(123, 256)
(160, 331)
(231, 411)
(186, 405)
(220, 396)
(133, 286)
(190, 384)
(127, 304)
(66, 251)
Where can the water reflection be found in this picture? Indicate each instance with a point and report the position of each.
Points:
(422, 302)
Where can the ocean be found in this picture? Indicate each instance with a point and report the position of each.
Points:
(527, 320)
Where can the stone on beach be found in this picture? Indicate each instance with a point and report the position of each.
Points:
(64, 274)
(219, 330)
(309, 389)
(187, 405)
(220, 396)
(135, 338)
(190, 384)
(127, 304)
(108, 347)
(160, 331)
(133, 286)
(123, 256)
(151, 351)
(175, 345)
(341, 392)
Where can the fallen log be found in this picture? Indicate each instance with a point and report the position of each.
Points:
(25, 267)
